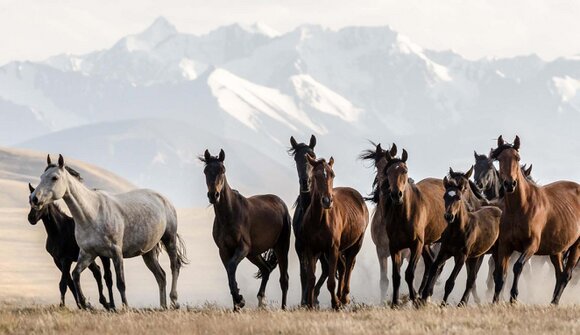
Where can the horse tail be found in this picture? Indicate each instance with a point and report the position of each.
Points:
(181, 252)
(271, 261)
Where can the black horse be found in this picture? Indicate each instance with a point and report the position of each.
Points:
(62, 246)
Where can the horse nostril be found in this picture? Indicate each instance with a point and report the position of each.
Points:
(514, 183)
(400, 194)
(217, 195)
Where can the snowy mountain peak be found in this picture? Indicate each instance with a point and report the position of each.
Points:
(159, 31)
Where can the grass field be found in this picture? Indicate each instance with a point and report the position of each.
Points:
(487, 319)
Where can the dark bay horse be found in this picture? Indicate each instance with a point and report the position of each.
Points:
(299, 152)
(536, 220)
(470, 234)
(414, 219)
(247, 228)
(62, 246)
(334, 225)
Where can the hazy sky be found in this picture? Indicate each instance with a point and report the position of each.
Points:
(35, 30)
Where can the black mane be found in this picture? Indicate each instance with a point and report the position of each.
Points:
(292, 151)
(495, 152)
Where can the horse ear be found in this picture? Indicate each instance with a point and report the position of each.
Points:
(500, 141)
(451, 171)
(517, 143)
(60, 161)
(528, 171)
(404, 156)
(475, 154)
(393, 151)
(331, 161)
(469, 172)
(48, 160)
(206, 155)
(293, 142)
(312, 143)
(379, 149)
(30, 188)
(222, 155)
(311, 160)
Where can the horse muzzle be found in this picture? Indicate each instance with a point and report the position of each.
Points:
(213, 197)
(449, 217)
(510, 186)
(397, 197)
(33, 217)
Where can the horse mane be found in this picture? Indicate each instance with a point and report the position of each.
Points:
(495, 152)
(474, 189)
(369, 154)
(212, 159)
(292, 151)
(70, 170)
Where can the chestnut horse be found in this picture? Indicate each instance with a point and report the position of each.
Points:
(414, 219)
(299, 152)
(536, 220)
(470, 234)
(247, 228)
(334, 225)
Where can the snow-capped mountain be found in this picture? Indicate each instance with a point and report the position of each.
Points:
(146, 106)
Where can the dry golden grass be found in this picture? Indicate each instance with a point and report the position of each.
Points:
(488, 320)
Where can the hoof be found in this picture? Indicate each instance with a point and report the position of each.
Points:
(513, 301)
(239, 303)
(345, 300)
(261, 303)
(175, 305)
(444, 304)
(462, 304)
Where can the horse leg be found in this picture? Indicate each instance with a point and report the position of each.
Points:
(416, 250)
(518, 267)
(396, 260)
(120, 274)
(175, 260)
(63, 280)
(340, 274)
(500, 272)
(490, 270)
(435, 269)
(566, 275)
(333, 259)
(264, 269)
(350, 256)
(108, 280)
(231, 264)
(310, 267)
(323, 276)
(383, 256)
(151, 259)
(474, 290)
(428, 258)
(303, 277)
(282, 255)
(83, 262)
(472, 268)
(96, 270)
(450, 283)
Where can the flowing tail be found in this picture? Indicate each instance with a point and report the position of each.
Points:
(181, 252)
(271, 262)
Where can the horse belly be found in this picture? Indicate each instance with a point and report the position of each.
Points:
(137, 242)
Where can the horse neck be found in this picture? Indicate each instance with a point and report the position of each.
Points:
(518, 198)
(405, 210)
(224, 208)
(495, 185)
(463, 216)
(50, 222)
(82, 202)
(315, 210)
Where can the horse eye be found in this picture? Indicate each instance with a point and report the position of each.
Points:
(55, 178)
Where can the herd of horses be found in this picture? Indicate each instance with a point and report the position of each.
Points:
(497, 213)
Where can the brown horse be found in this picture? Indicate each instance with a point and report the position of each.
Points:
(247, 228)
(414, 219)
(470, 234)
(334, 225)
(536, 220)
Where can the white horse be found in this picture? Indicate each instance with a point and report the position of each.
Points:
(116, 226)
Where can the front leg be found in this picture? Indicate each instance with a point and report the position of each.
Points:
(96, 270)
(435, 269)
(231, 262)
(410, 272)
(84, 260)
(333, 259)
(501, 265)
(459, 261)
(519, 266)
(396, 260)
(120, 274)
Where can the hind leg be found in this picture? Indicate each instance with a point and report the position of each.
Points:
(350, 257)
(473, 265)
(152, 262)
(108, 280)
(435, 269)
(501, 259)
(282, 256)
(428, 258)
(170, 243)
(322, 279)
(98, 278)
(264, 273)
(566, 275)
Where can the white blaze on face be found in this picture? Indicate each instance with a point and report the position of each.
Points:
(324, 173)
(451, 193)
